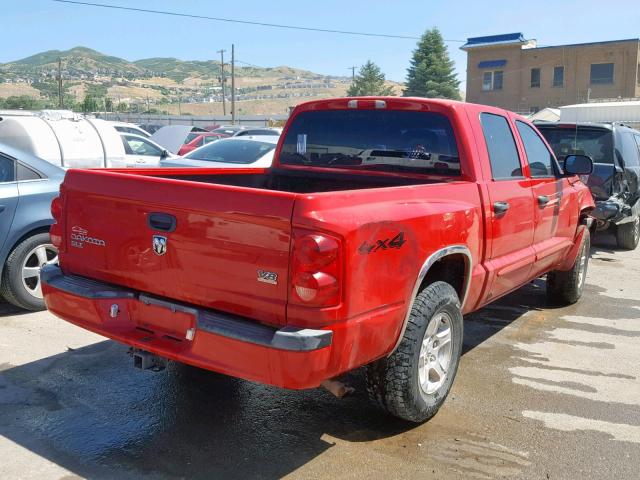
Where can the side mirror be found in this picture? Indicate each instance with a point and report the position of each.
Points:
(578, 165)
(164, 154)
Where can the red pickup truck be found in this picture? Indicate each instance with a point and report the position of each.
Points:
(381, 222)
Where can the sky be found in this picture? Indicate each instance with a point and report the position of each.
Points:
(32, 26)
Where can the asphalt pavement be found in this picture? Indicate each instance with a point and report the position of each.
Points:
(542, 392)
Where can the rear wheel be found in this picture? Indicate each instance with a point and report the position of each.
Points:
(21, 276)
(566, 288)
(415, 380)
(628, 234)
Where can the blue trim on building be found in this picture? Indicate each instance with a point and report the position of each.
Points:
(517, 37)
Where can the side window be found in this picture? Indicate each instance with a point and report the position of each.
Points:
(25, 173)
(501, 147)
(211, 138)
(637, 137)
(7, 170)
(139, 146)
(539, 157)
(629, 149)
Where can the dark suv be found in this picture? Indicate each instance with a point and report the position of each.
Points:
(615, 150)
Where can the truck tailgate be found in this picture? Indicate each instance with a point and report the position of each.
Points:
(118, 229)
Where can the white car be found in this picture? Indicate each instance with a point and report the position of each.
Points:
(142, 152)
(242, 152)
(124, 127)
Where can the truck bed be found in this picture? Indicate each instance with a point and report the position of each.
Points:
(296, 181)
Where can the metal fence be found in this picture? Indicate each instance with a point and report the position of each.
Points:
(196, 121)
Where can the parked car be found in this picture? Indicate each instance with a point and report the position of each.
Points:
(229, 130)
(614, 183)
(143, 152)
(197, 139)
(242, 130)
(294, 275)
(65, 139)
(124, 127)
(259, 131)
(235, 152)
(27, 186)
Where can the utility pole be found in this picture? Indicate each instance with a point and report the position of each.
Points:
(222, 81)
(60, 99)
(233, 86)
(353, 73)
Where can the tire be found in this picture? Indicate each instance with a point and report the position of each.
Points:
(565, 288)
(26, 260)
(628, 234)
(397, 383)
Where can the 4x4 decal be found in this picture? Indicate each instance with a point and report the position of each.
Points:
(384, 244)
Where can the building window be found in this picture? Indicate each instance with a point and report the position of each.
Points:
(535, 78)
(558, 76)
(492, 80)
(601, 73)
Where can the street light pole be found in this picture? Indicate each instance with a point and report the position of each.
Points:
(222, 81)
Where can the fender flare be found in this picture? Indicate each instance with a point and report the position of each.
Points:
(426, 266)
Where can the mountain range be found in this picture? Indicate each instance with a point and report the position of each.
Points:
(89, 61)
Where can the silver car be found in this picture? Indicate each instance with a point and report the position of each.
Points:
(27, 186)
(234, 152)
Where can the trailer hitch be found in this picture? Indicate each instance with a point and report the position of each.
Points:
(148, 361)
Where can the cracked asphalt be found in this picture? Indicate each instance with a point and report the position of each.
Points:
(542, 392)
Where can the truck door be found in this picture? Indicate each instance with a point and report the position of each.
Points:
(554, 202)
(8, 196)
(510, 212)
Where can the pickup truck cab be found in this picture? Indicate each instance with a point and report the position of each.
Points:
(326, 262)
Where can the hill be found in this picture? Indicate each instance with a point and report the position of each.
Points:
(93, 80)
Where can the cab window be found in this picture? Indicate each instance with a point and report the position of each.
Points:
(501, 146)
(538, 155)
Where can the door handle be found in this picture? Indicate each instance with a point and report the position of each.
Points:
(161, 221)
(500, 207)
(543, 200)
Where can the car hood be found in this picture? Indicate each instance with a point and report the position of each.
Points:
(172, 137)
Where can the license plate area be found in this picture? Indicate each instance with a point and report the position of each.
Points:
(163, 318)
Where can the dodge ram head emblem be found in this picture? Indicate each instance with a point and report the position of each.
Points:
(159, 244)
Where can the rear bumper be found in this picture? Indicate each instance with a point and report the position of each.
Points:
(286, 357)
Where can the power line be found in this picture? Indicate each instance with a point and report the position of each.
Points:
(245, 22)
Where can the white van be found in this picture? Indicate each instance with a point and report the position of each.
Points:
(68, 139)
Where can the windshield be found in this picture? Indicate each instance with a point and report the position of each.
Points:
(232, 151)
(597, 143)
(388, 140)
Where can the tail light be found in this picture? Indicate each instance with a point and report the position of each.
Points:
(316, 270)
(56, 229)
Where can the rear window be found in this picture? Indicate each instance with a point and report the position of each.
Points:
(597, 143)
(191, 137)
(386, 140)
(232, 151)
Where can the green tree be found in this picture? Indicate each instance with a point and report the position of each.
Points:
(431, 73)
(369, 81)
(22, 102)
(89, 104)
